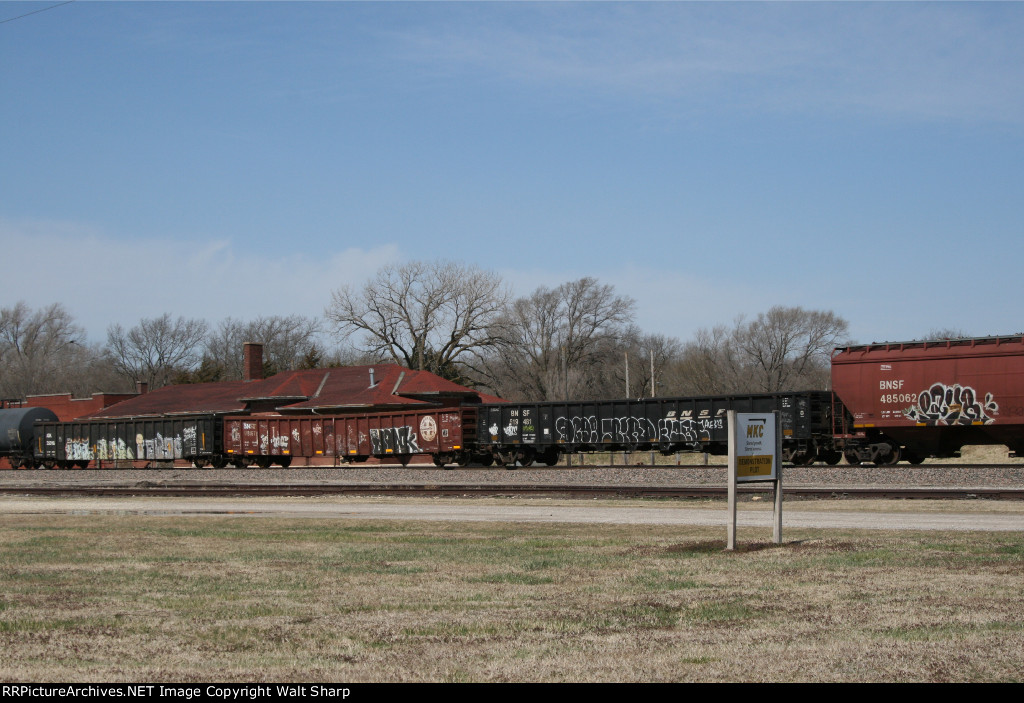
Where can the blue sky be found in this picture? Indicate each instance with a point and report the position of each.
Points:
(709, 160)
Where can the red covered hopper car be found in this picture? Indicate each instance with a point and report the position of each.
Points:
(912, 400)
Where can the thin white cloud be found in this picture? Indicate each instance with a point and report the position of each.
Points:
(104, 280)
(961, 61)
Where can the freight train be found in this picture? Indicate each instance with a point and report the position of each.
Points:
(889, 402)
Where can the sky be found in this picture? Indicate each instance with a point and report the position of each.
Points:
(215, 159)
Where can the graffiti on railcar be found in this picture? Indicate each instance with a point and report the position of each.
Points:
(113, 449)
(577, 429)
(630, 429)
(77, 449)
(952, 405)
(627, 430)
(189, 438)
(158, 447)
(277, 441)
(394, 440)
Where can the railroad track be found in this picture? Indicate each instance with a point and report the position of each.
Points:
(208, 489)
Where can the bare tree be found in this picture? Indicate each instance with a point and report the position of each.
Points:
(709, 364)
(555, 341)
(157, 349)
(786, 348)
(947, 333)
(41, 351)
(426, 316)
(287, 343)
(789, 348)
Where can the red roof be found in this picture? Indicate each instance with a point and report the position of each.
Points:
(349, 387)
(185, 399)
(344, 388)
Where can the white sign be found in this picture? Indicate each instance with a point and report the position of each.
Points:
(757, 458)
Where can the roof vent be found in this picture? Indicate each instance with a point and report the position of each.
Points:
(372, 383)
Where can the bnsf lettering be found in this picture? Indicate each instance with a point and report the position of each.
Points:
(890, 385)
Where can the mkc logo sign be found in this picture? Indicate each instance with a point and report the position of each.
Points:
(755, 448)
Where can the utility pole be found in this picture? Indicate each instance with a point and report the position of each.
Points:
(626, 354)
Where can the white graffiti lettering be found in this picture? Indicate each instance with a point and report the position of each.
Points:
(394, 440)
(952, 405)
(635, 430)
(77, 449)
(113, 449)
(189, 437)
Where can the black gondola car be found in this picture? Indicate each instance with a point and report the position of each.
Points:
(126, 442)
(528, 432)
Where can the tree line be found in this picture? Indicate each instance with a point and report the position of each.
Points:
(572, 341)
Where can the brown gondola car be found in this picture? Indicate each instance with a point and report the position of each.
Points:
(444, 434)
(914, 400)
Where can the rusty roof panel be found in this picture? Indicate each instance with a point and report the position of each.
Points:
(394, 387)
(222, 397)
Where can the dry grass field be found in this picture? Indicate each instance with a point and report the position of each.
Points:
(146, 598)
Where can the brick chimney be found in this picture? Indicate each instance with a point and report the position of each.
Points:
(252, 354)
(141, 387)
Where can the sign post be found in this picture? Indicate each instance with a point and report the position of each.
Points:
(755, 452)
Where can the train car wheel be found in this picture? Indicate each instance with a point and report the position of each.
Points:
(890, 459)
(525, 457)
(217, 461)
(284, 462)
(264, 462)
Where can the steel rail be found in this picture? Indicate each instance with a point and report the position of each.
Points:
(186, 489)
